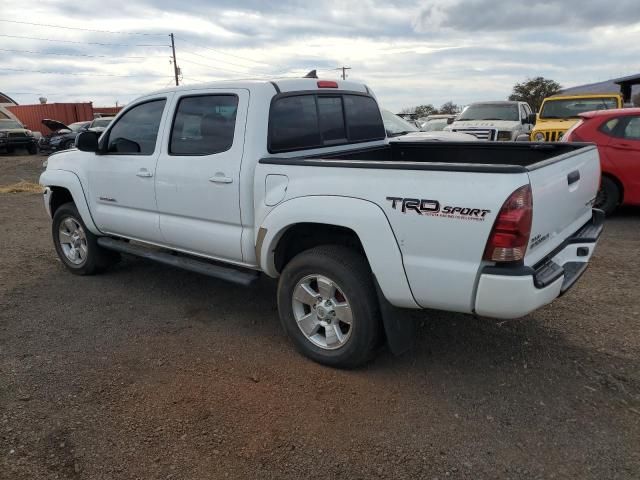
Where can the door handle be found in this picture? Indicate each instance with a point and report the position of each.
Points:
(143, 172)
(221, 178)
(573, 177)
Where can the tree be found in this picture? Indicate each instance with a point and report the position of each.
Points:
(534, 90)
(636, 100)
(420, 111)
(449, 108)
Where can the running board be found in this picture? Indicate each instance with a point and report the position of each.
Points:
(180, 261)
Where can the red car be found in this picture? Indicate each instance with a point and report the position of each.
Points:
(617, 135)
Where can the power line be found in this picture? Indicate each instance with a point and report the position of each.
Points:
(220, 52)
(217, 60)
(215, 67)
(83, 29)
(78, 54)
(84, 43)
(84, 74)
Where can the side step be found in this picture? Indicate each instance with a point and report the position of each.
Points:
(192, 264)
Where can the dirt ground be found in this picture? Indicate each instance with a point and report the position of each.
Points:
(149, 372)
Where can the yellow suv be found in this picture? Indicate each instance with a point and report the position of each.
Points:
(560, 112)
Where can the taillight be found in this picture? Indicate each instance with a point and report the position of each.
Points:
(510, 234)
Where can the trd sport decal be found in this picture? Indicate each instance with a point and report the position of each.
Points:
(433, 208)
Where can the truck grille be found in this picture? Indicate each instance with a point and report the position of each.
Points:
(17, 134)
(553, 135)
(479, 133)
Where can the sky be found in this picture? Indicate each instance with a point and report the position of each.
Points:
(409, 53)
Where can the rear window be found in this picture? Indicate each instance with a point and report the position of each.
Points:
(298, 122)
(363, 118)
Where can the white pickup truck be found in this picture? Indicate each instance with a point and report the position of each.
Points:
(497, 121)
(296, 179)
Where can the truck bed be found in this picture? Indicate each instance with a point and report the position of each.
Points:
(493, 157)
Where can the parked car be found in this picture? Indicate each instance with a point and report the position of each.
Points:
(14, 134)
(558, 113)
(435, 123)
(100, 124)
(617, 134)
(401, 130)
(501, 121)
(297, 179)
(62, 137)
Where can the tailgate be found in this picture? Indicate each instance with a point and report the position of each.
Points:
(563, 189)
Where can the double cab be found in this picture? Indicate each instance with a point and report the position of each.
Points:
(296, 179)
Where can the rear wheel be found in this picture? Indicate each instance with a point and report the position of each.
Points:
(33, 149)
(76, 246)
(328, 306)
(609, 196)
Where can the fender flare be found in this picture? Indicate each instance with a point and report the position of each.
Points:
(365, 218)
(71, 182)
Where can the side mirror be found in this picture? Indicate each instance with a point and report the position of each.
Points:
(87, 141)
(532, 118)
(450, 120)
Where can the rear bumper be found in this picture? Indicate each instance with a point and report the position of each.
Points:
(512, 292)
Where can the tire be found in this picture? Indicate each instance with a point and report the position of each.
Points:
(609, 196)
(89, 258)
(68, 144)
(32, 149)
(352, 325)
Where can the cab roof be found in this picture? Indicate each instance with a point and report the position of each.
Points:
(278, 84)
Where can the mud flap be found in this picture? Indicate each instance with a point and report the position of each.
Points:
(399, 327)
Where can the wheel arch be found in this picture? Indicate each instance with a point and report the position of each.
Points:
(62, 187)
(304, 222)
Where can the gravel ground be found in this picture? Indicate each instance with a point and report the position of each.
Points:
(150, 372)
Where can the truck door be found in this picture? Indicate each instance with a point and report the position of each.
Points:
(121, 184)
(198, 174)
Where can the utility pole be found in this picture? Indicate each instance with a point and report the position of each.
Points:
(175, 65)
(344, 71)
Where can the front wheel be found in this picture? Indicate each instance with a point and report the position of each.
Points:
(32, 149)
(76, 246)
(328, 306)
(608, 197)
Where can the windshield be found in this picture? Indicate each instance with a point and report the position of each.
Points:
(103, 122)
(572, 107)
(394, 125)
(74, 127)
(434, 125)
(10, 124)
(490, 111)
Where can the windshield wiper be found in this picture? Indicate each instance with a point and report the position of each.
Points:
(399, 134)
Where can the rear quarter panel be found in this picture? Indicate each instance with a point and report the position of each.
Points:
(441, 254)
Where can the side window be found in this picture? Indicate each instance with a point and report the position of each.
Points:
(523, 112)
(632, 130)
(204, 125)
(331, 119)
(363, 118)
(137, 130)
(294, 123)
(609, 126)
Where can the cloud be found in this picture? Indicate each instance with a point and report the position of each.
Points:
(510, 15)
